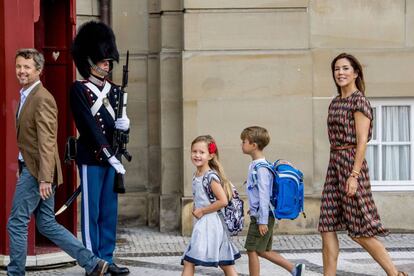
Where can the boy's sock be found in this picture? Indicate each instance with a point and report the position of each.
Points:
(298, 270)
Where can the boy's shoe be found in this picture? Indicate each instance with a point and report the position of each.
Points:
(100, 269)
(299, 269)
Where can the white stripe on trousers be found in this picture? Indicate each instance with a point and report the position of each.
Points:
(85, 203)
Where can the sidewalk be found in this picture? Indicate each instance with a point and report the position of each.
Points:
(148, 252)
(145, 241)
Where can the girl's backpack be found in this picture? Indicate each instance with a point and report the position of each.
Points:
(233, 214)
(286, 200)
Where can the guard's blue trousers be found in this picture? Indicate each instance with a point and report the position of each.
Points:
(99, 210)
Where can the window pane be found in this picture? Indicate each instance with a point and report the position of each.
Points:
(372, 159)
(374, 123)
(395, 123)
(396, 162)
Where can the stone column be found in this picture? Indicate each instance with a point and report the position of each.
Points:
(130, 24)
(166, 152)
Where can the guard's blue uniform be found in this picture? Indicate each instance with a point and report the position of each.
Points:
(94, 105)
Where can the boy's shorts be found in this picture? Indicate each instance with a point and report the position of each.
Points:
(257, 242)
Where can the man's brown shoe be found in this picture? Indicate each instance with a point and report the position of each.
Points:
(100, 269)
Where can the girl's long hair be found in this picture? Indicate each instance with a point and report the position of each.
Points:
(359, 82)
(215, 164)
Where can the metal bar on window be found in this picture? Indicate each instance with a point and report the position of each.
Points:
(396, 143)
(379, 138)
(412, 140)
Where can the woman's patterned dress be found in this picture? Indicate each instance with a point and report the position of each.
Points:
(358, 214)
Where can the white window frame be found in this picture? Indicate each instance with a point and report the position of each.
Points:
(387, 185)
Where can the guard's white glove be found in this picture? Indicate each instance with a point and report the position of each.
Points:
(122, 123)
(119, 168)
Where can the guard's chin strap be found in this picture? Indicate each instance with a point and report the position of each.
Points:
(99, 70)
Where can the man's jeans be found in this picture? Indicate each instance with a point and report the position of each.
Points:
(27, 201)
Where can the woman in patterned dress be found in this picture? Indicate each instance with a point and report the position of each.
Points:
(347, 202)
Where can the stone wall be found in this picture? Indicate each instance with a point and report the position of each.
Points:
(215, 67)
(268, 63)
(86, 10)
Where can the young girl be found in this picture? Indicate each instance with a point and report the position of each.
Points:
(210, 243)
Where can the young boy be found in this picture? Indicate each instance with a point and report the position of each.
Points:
(260, 233)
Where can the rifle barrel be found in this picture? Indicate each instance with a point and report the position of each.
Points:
(125, 72)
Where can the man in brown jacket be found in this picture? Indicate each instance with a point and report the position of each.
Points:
(39, 171)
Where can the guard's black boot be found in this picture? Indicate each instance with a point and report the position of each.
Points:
(117, 270)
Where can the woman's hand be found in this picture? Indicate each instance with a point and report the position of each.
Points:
(198, 213)
(351, 186)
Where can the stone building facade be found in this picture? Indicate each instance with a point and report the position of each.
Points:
(215, 67)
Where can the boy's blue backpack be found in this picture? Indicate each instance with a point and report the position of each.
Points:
(287, 195)
(233, 214)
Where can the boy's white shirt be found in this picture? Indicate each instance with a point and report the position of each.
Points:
(259, 193)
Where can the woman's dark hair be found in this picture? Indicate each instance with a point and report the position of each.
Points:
(360, 84)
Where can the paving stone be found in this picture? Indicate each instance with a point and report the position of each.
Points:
(148, 252)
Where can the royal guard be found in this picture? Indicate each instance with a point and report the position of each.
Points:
(95, 104)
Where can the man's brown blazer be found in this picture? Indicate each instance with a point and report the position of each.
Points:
(36, 128)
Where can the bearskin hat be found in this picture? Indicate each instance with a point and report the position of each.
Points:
(94, 41)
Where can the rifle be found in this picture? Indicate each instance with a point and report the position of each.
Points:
(121, 138)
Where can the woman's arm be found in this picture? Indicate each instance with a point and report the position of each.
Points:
(221, 201)
(362, 125)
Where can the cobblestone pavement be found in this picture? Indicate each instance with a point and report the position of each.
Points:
(146, 251)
